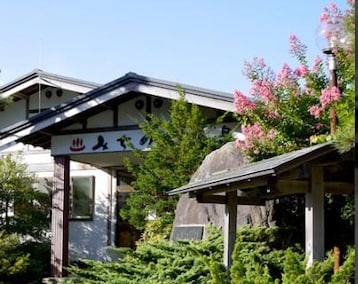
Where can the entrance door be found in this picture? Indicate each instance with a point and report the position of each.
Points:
(126, 234)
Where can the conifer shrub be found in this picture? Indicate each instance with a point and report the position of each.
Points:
(261, 255)
(12, 260)
(160, 261)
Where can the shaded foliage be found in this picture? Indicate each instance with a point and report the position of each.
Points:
(24, 222)
(23, 209)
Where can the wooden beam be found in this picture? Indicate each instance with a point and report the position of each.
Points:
(217, 199)
(60, 213)
(338, 187)
(222, 199)
(287, 187)
(241, 185)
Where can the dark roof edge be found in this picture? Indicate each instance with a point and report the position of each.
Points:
(209, 182)
(315, 152)
(127, 78)
(46, 75)
(172, 85)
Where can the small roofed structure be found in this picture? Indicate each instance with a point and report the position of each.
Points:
(312, 171)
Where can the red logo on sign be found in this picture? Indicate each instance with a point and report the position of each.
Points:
(77, 145)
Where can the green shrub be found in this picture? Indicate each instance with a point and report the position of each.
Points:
(39, 261)
(156, 230)
(159, 262)
(12, 260)
(346, 272)
(23, 263)
(261, 255)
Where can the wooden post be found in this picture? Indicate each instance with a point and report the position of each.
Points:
(230, 227)
(356, 214)
(60, 213)
(336, 257)
(314, 217)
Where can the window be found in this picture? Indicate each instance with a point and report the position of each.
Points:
(82, 198)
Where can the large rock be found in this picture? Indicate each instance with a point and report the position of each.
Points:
(190, 212)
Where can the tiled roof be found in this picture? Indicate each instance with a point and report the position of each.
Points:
(260, 169)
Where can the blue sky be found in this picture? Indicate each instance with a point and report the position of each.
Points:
(198, 42)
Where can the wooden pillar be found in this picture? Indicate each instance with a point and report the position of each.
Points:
(60, 213)
(314, 217)
(356, 218)
(230, 227)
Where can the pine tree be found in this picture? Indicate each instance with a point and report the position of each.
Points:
(179, 145)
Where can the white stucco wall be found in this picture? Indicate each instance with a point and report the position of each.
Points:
(13, 113)
(89, 238)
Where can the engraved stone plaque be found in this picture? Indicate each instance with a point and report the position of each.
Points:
(187, 232)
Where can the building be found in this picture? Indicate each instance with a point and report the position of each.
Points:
(71, 134)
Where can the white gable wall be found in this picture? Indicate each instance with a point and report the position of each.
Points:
(40, 100)
(16, 111)
(13, 113)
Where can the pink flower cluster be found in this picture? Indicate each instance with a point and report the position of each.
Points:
(329, 95)
(263, 90)
(316, 111)
(297, 48)
(254, 69)
(253, 133)
(317, 64)
(331, 20)
(301, 71)
(330, 12)
(242, 104)
(285, 72)
(273, 115)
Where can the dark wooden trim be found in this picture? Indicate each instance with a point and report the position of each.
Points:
(115, 116)
(36, 110)
(222, 199)
(338, 187)
(148, 104)
(243, 186)
(287, 187)
(27, 107)
(97, 129)
(266, 190)
(218, 199)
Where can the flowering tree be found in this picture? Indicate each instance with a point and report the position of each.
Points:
(288, 110)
